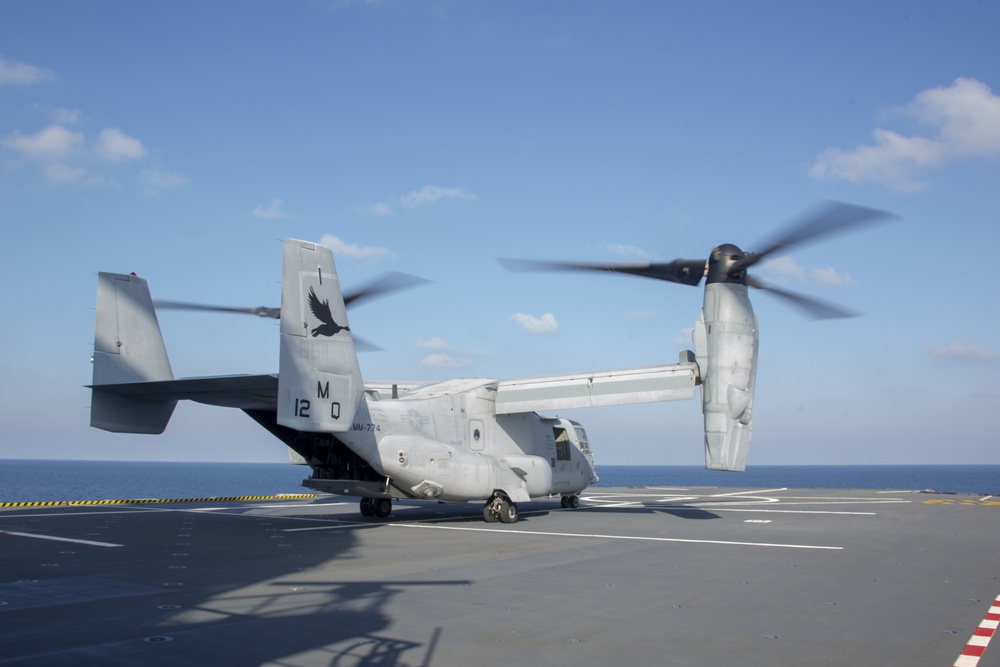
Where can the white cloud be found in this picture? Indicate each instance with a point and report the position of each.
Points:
(341, 248)
(444, 360)
(380, 209)
(544, 324)
(435, 343)
(57, 151)
(444, 356)
(274, 211)
(113, 145)
(16, 73)
(784, 269)
(828, 275)
(966, 117)
(959, 350)
(64, 158)
(430, 194)
(51, 143)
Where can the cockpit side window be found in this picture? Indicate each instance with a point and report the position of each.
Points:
(562, 443)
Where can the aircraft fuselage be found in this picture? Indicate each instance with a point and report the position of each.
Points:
(450, 445)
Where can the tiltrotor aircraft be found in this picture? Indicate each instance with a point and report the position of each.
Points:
(458, 440)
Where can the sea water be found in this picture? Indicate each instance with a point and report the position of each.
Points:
(28, 480)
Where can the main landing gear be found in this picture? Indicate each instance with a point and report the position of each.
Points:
(570, 502)
(500, 508)
(380, 507)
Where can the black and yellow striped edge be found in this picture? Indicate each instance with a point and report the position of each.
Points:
(146, 501)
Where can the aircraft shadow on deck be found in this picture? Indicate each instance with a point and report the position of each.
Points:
(459, 513)
(235, 590)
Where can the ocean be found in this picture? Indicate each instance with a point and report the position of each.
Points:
(33, 481)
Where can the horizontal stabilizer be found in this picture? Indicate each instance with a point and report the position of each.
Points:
(245, 392)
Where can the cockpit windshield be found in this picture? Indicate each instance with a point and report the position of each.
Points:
(581, 437)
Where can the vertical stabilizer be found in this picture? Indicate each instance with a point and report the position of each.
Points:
(319, 380)
(128, 347)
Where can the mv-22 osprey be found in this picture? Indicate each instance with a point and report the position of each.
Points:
(459, 440)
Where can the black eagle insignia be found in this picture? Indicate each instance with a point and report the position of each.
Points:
(321, 309)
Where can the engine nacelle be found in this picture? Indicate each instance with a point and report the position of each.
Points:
(725, 342)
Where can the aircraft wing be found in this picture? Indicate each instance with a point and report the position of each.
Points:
(393, 389)
(246, 392)
(555, 392)
(585, 390)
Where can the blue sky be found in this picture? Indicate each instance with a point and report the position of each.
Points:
(182, 140)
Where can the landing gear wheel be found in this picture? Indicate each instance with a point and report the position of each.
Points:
(508, 511)
(383, 507)
(367, 507)
(569, 502)
(499, 508)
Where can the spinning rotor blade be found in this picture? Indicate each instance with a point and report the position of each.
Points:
(389, 282)
(683, 271)
(815, 308)
(260, 311)
(729, 264)
(392, 281)
(829, 218)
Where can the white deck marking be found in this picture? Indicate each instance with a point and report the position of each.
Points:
(766, 511)
(334, 524)
(743, 493)
(70, 512)
(617, 537)
(752, 500)
(60, 539)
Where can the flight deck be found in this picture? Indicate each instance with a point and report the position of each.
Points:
(636, 576)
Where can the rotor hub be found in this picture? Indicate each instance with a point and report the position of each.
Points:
(723, 265)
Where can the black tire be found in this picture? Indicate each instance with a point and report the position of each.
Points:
(508, 511)
(488, 514)
(574, 502)
(383, 507)
(367, 507)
